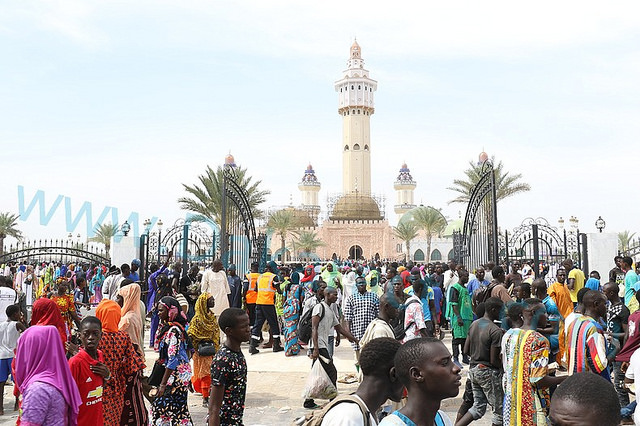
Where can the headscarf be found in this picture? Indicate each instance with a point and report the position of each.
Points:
(130, 320)
(176, 318)
(40, 357)
(329, 277)
(45, 312)
(309, 273)
(108, 312)
(204, 324)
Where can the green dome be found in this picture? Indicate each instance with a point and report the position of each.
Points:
(454, 225)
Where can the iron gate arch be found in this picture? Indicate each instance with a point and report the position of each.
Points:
(239, 242)
(477, 244)
(54, 251)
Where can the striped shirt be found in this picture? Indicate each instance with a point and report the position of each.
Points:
(586, 348)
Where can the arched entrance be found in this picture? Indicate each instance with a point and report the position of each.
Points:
(355, 252)
(418, 256)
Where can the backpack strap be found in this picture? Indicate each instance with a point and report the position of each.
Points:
(349, 398)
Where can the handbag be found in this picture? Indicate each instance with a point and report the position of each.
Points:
(206, 348)
(155, 378)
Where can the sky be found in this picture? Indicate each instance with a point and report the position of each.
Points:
(118, 104)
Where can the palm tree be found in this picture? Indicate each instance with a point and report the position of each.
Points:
(506, 184)
(431, 221)
(624, 240)
(8, 228)
(103, 234)
(283, 223)
(308, 242)
(406, 231)
(205, 199)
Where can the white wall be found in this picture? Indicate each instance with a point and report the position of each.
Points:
(602, 248)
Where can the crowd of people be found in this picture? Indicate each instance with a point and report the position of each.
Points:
(535, 351)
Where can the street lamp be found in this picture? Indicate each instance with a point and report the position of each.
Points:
(600, 223)
(561, 222)
(125, 228)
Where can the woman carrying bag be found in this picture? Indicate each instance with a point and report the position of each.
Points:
(170, 404)
(205, 338)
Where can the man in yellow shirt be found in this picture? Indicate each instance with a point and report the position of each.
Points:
(575, 279)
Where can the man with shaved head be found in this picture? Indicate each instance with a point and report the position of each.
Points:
(587, 348)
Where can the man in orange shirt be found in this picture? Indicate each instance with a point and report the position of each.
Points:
(559, 292)
(266, 310)
(250, 291)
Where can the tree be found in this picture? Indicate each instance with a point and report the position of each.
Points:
(406, 231)
(283, 223)
(506, 184)
(205, 199)
(624, 240)
(103, 234)
(8, 228)
(431, 221)
(308, 242)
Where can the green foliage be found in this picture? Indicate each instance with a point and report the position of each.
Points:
(9, 228)
(307, 242)
(104, 233)
(204, 198)
(506, 184)
(431, 221)
(406, 231)
(624, 240)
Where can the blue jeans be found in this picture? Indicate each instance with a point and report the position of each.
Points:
(486, 383)
(627, 412)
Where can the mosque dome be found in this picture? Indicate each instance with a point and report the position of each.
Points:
(483, 157)
(454, 225)
(356, 207)
(301, 218)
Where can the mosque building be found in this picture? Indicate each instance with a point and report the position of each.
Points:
(356, 226)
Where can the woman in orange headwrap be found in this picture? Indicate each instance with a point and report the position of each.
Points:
(120, 357)
(134, 411)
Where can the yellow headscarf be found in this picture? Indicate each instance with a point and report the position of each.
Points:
(204, 325)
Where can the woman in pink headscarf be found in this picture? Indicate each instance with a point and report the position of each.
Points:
(49, 393)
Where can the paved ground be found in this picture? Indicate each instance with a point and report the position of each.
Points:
(275, 385)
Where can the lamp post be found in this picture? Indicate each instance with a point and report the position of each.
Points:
(600, 224)
(144, 248)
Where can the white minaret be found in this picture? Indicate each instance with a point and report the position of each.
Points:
(404, 186)
(355, 105)
(309, 188)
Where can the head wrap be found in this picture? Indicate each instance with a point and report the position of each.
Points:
(108, 312)
(40, 357)
(329, 277)
(130, 320)
(593, 284)
(309, 273)
(46, 312)
(295, 278)
(204, 324)
(176, 318)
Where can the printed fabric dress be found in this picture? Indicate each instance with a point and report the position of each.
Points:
(526, 357)
(122, 360)
(67, 306)
(171, 408)
(291, 314)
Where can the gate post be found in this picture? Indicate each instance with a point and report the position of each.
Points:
(585, 256)
(185, 248)
(536, 251)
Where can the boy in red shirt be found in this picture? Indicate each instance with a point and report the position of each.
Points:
(90, 373)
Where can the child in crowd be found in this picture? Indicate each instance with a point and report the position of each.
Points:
(9, 332)
(90, 373)
(229, 370)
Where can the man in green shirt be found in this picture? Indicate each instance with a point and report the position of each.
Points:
(461, 315)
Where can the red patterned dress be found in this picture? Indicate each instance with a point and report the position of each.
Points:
(122, 360)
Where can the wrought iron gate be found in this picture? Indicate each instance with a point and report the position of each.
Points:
(535, 241)
(478, 242)
(65, 251)
(239, 243)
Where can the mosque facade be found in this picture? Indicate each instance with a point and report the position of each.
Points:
(356, 226)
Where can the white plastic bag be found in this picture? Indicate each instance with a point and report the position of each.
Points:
(319, 384)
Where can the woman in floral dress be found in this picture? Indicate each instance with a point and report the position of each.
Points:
(66, 305)
(291, 314)
(170, 405)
